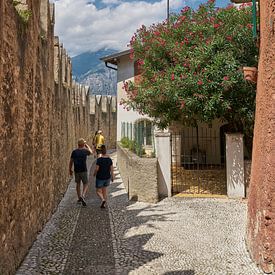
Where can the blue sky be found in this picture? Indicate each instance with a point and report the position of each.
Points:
(91, 25)
(194, 4)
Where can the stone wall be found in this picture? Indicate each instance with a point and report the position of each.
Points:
(139, 175)
(261, 202)
(42, 114)
(103, 116)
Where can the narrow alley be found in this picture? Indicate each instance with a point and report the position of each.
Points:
(176, 236)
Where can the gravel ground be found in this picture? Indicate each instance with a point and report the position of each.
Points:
(184, 236)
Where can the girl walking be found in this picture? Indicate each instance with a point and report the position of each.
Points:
(104, 173)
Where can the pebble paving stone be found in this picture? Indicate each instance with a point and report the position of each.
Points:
(91, 248)
(177, 236)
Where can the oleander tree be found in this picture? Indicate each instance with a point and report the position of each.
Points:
(191, 68)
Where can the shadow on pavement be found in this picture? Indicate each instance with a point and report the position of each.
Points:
(131, 254)
(102, 241)
(180, 272)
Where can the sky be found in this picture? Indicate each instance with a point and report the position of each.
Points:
(92, 25)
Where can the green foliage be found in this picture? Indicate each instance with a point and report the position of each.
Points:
(24, 13)
(132, 146)
(15, 2)
(139, 150)
(128, 143)
(191, 68)
(125, 142)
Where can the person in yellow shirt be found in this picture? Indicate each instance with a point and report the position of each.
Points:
(99, 141)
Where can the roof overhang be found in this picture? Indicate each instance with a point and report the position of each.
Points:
(113, 58)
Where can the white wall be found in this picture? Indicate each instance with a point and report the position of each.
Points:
(235, 166)
(163, 151)
(125, 72)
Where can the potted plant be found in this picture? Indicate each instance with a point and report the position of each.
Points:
(250, 74)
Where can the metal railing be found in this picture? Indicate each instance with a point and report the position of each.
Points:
(198, 161)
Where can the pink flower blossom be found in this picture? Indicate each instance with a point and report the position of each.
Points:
(226, 78)
(229, 38)
(182, 104)
(140, 62)
(244, 5)
(185, 9)
(229, 7)
(173, 77)
(200, 82)
(212, 19)
(183, 18)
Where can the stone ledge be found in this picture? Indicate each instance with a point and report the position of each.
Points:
(162, 134)
(139, 175)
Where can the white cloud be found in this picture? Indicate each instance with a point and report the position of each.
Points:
(82, 27)
(111, 1)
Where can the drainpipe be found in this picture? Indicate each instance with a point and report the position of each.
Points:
(168, 12)
(110, 67)
(254, 18)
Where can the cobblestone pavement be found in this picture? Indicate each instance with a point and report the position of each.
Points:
(177, 236)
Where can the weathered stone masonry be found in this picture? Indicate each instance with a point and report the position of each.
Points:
(42, 113)
(140, 186)
(261, 201)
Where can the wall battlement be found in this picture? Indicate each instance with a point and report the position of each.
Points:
(103, 116)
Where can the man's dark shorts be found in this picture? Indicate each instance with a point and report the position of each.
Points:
(81, 176)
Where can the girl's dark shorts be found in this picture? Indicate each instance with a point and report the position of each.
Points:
(102, 183)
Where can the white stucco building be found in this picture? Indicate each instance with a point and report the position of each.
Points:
(191, 160)
(127, 71)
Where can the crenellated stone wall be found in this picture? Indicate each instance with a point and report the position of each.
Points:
(42, 113)
(103, 116)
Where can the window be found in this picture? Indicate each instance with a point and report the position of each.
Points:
(143, 132)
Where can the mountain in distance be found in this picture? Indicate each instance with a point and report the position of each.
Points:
(89, 70)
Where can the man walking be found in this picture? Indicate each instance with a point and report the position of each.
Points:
(99, 141)
(78, 159)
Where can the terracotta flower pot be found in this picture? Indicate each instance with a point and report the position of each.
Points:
(250, 74)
